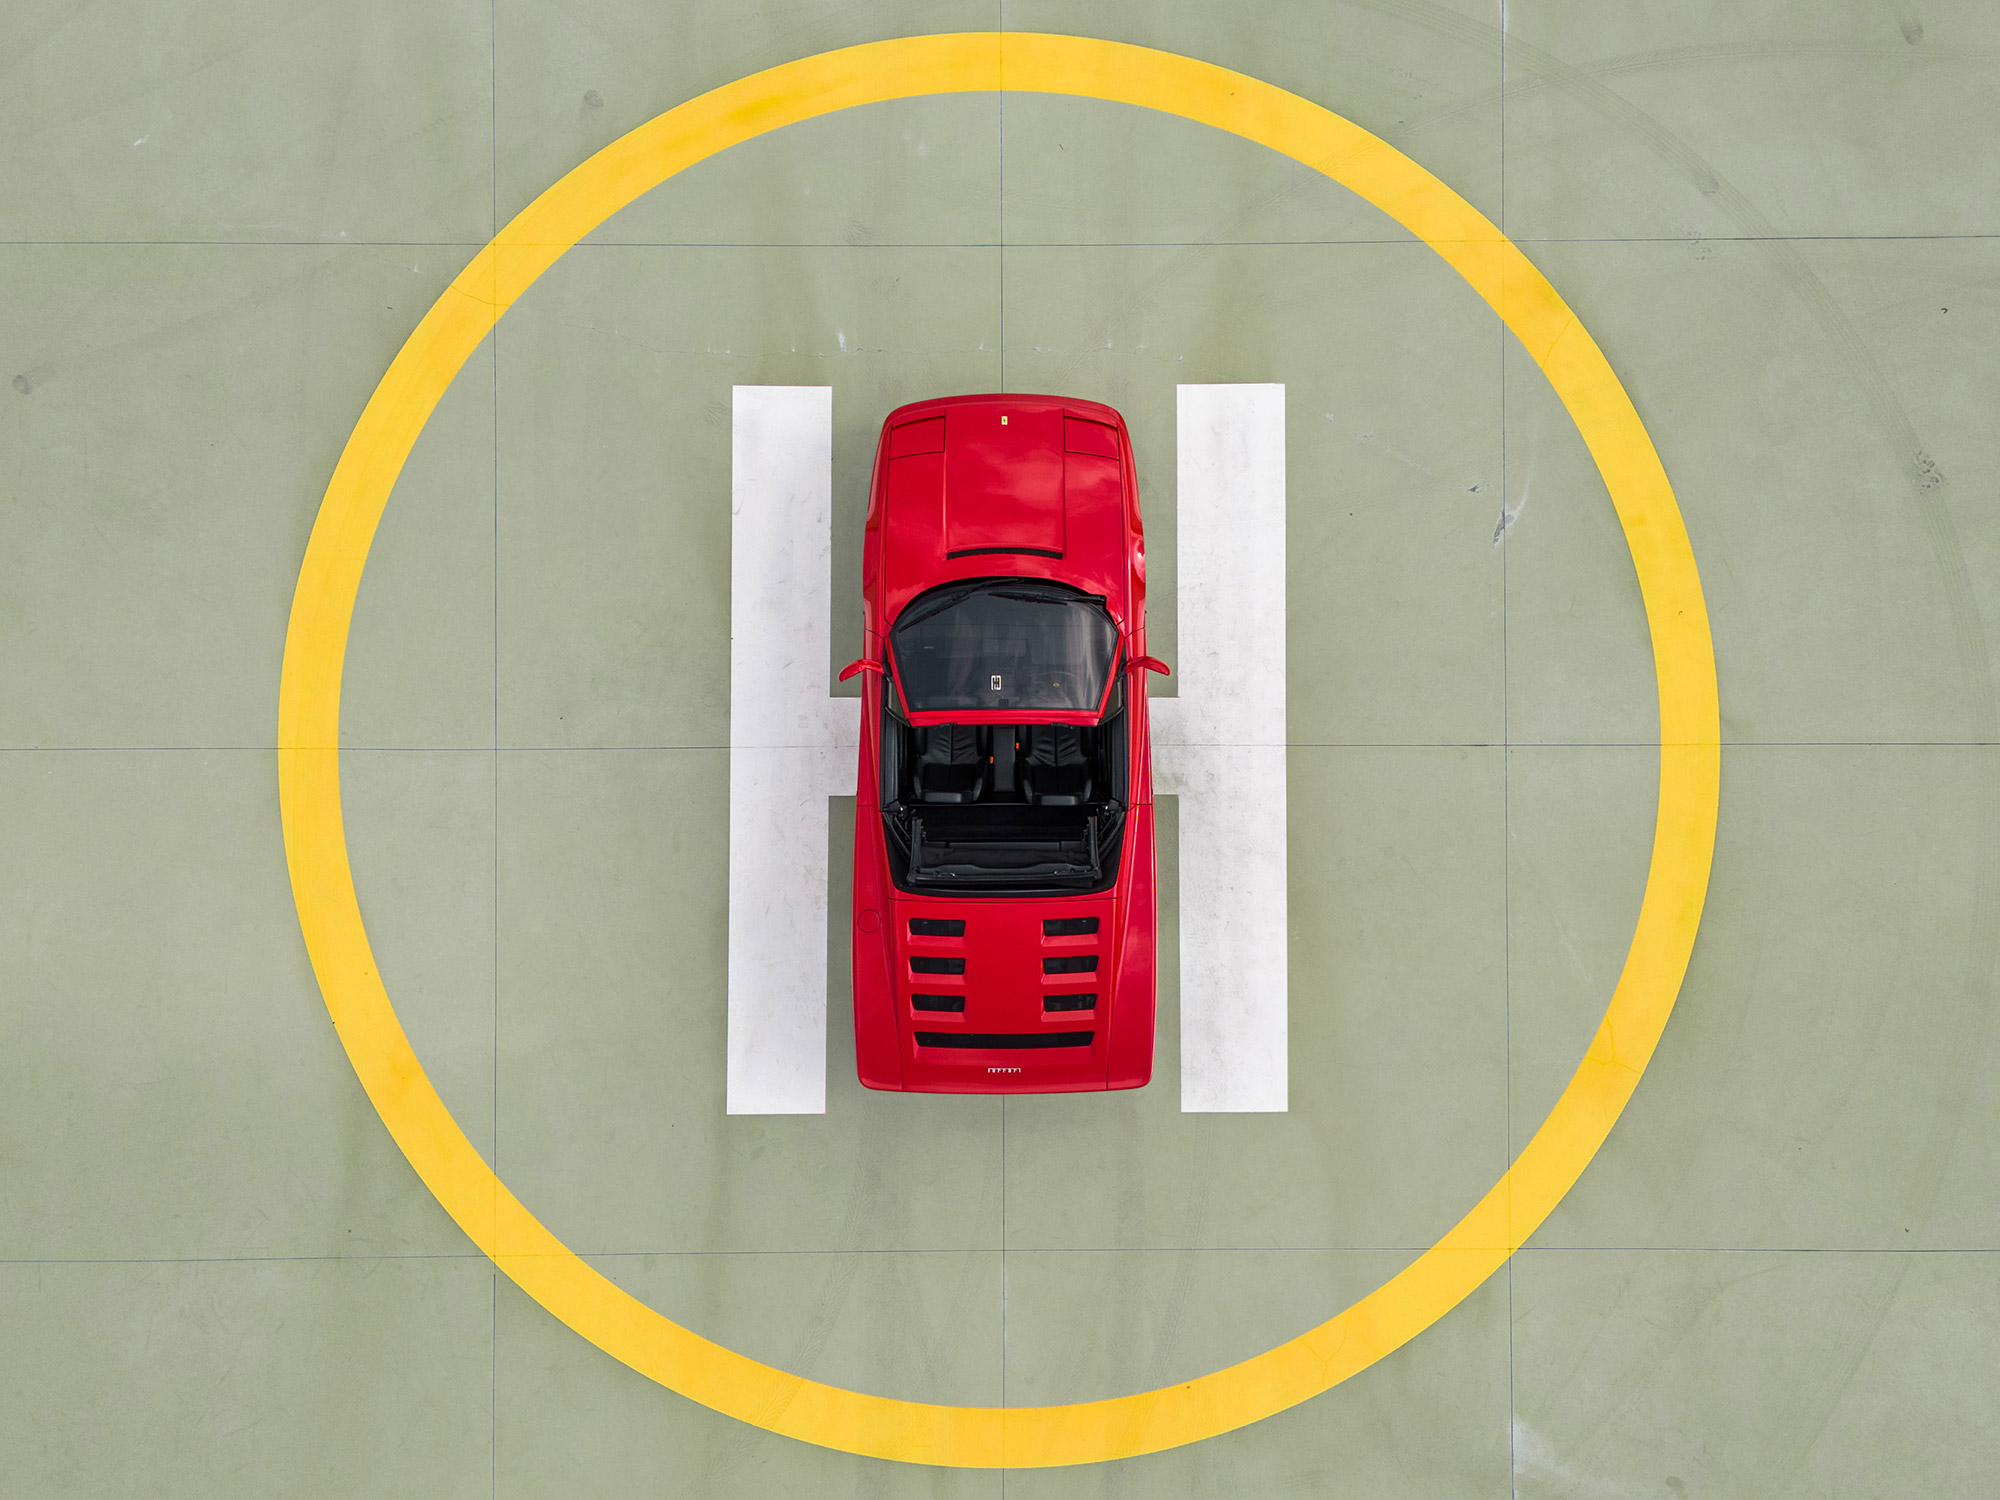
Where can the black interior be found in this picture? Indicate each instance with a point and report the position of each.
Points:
(1005, 808)
(949, 765)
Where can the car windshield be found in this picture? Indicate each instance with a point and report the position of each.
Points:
(1005, 644)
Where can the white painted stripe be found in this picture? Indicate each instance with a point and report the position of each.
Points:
(1220, 747)
(791, 746)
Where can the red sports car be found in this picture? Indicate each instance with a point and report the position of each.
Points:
(1004, 908)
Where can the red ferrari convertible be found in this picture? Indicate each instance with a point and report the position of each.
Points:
(1004, 909)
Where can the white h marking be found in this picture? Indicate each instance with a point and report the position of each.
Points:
(1220, 747)
(791, 745)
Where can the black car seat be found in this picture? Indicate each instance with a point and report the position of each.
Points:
(1055, 772)
(951, 769)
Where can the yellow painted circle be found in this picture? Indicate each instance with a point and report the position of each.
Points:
(912, 1431)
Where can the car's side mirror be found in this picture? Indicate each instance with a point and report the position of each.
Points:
(1151, 664)
(863, 665)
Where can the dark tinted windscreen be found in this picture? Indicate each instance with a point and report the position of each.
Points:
(1004, 644)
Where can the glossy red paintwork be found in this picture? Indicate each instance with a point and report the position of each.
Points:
(1047, 493)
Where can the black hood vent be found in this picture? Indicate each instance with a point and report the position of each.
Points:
(1004, 1041)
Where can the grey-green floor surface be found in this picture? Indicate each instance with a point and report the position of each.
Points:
(218, 222)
